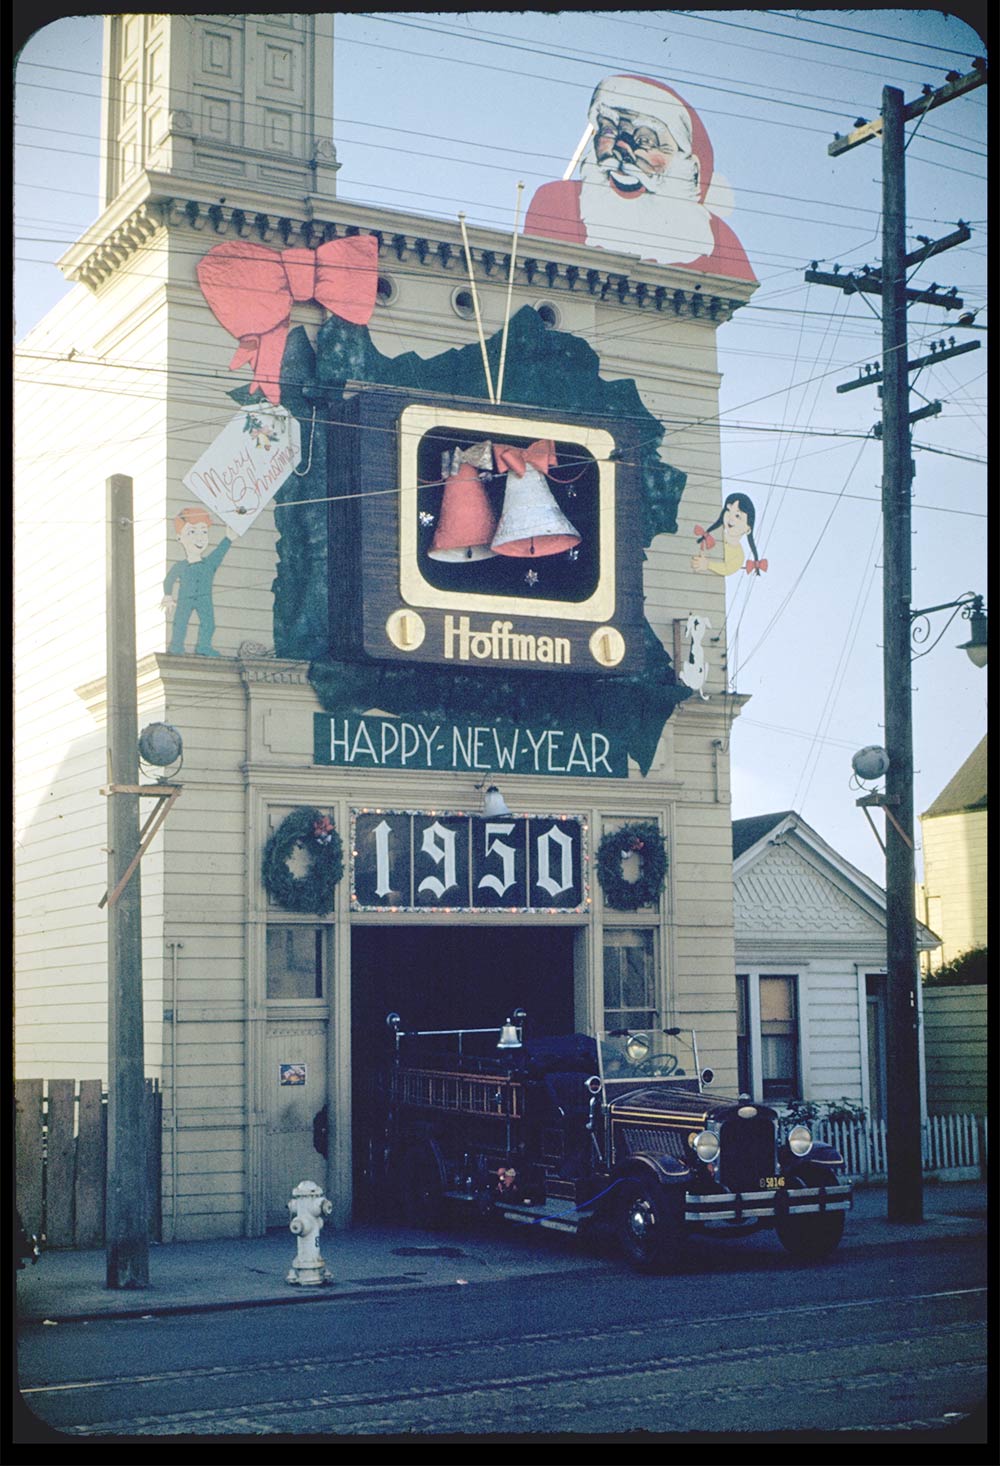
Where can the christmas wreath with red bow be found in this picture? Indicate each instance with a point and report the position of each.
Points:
(645, 841)
(314, 832)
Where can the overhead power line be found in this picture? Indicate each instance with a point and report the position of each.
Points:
(805, 40)
(800, 19)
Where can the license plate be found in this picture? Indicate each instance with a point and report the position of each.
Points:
(771, 1183)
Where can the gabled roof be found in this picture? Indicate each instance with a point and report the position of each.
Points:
(751, 838)
(756, 838)
(966, 790)
(747, 832)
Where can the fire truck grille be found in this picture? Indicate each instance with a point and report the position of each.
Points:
(747, 1153)
(655, 1141)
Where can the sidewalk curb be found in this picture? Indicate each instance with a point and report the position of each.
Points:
(336, 1293)
(325, 1293)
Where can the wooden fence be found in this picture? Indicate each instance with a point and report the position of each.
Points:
(61, 1139)
(950, 1143)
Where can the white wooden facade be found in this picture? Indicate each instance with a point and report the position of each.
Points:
(801, 911)
(129, 375)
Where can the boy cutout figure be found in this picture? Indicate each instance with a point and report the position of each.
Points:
(187, 587)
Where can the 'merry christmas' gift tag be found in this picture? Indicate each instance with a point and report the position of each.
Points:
(246, 465)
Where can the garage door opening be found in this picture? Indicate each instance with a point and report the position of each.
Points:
(446, 977)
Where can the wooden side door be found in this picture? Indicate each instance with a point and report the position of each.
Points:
(295, 1095)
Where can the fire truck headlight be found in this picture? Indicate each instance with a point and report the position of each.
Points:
(706, 1146)
(800, 1141)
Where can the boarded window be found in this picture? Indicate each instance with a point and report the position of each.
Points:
(294, 962)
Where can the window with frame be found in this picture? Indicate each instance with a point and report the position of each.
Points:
(779, 1038)
(630, 978)
(743, 1033)
(295, 962)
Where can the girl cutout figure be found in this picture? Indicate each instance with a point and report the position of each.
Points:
(737, 521)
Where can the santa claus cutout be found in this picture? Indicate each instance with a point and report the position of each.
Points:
(646, 185)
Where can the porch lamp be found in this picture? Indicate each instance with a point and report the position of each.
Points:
(494, 804)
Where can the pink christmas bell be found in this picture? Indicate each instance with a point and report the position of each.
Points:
(466, 522)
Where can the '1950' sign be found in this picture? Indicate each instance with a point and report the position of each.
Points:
(407, 861)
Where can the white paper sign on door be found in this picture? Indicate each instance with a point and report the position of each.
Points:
(246, 465)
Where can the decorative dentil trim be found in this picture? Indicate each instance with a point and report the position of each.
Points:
(92, 268)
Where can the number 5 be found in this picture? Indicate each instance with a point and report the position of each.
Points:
(507, 854)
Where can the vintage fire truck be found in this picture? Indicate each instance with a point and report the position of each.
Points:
(615, 1130)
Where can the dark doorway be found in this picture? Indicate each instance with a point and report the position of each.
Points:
(445, 977)
(875, 984)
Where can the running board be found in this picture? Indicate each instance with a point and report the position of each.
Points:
(554, 1213)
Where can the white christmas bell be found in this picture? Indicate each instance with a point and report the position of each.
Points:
(531, 522)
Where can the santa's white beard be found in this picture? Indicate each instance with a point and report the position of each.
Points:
(666, 223)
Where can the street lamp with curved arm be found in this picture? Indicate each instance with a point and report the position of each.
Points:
(972, 609)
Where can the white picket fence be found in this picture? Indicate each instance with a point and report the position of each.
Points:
(950, 1143)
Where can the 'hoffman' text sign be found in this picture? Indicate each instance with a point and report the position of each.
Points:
(369, 741)
(404, 860)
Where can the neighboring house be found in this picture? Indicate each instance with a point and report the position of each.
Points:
(952, 899)
(810, 967)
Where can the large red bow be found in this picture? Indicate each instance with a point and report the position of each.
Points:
(541, 455)
(251, 289)
(706, 539)
(753, 565)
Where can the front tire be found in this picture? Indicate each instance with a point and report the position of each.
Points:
(648, 1235)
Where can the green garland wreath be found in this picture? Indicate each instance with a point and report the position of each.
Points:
(626, 895)
(312, 892)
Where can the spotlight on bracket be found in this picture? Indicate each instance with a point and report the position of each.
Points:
(870, 763)
(160, 746)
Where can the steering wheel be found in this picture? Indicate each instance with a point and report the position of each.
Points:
(666, 1064)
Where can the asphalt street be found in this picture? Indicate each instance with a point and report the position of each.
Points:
(885, 1340)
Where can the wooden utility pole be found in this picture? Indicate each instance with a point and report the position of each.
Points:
(903, 1103)
(903, 1110)
(126, 1226)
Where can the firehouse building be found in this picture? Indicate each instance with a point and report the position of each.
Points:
(414, 581)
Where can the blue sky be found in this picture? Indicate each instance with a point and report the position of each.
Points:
(441, 112)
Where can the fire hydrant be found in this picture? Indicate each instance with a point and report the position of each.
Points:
(308, 1207)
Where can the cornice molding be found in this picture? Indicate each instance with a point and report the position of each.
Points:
(720, 708)
(274, 671)
(160, 675)
(92, 263)
(435, 246)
